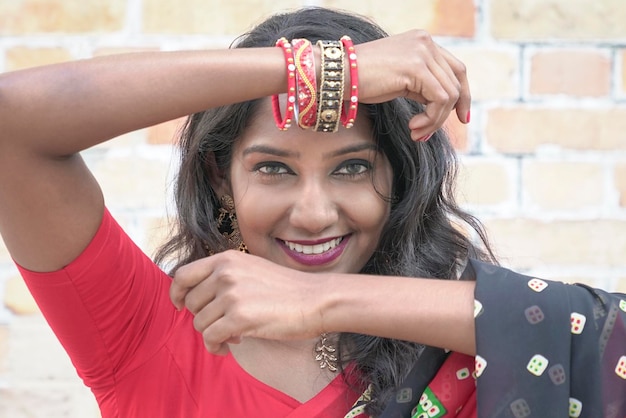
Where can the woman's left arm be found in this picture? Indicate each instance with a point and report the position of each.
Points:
(234, 295)
(434, 312)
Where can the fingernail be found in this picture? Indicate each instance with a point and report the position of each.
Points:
(425, 138)
(467, 118)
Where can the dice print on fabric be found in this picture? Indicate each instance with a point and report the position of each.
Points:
(520, 408)
(480, 364)
(578, 322)
(462, 374)
(620, 369)
(534, 314)
(404, 395)
(557, 374)
(429, 406)
(358, 412)
(537, 365)
(478, 308)
(575, 408)
(537, 285)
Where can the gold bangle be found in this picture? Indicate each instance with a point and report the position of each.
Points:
(331, 86)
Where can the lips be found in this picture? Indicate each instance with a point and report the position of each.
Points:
(315, 254)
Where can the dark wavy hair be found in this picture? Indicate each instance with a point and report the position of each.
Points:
(427, 234)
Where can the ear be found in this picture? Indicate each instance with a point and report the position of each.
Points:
(219, 179)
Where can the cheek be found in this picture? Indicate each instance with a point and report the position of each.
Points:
(368, 208)
(377, 216)
(257, 213)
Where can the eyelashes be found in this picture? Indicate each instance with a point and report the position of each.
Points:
(272, 168)
(350, 168)
(354, 167)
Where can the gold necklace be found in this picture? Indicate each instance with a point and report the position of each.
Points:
(326, 354)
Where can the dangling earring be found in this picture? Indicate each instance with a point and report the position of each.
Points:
(227, 223)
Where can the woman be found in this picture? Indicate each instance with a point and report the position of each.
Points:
(319, 314)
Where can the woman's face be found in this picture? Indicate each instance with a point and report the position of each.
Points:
(306, 200)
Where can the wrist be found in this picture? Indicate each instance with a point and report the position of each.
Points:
(339, 301)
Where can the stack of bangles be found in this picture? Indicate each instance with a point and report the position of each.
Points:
(318, 106)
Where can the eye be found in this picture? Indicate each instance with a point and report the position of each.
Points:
(354, 167)
(272, 168)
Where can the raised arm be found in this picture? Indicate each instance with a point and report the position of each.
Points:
(50, 205)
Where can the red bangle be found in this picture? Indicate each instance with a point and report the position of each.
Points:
(284, 124)
(349, 115)
(306, 82)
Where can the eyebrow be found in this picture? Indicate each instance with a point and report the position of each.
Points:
(353, 148)
(267, 149)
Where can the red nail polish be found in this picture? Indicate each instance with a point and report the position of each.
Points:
(467, 118)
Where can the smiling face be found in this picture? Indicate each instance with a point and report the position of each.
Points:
(307, 200)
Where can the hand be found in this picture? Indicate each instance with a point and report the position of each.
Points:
(234, 295)
(413, 65)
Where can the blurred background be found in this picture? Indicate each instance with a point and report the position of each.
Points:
(543, 159)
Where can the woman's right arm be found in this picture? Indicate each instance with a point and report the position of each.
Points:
(50, 205)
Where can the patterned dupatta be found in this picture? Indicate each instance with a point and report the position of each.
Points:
(445, 383)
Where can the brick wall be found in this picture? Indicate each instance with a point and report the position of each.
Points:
(544, 159)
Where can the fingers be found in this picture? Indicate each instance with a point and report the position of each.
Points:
(419, 69)
(444, 87)
(216, 329)
(436, 98)
(187, 278)
(215, 341)
(464, 103)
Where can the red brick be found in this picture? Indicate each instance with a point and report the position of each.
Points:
(485, 182)
(24, 57)
(571, 72)
(493, 73)
(558, 185)
(524, 129)
(439, 17)
(206, 17)
(561, 19)
(529, 243)
(454, 18)
(78, 16)
(414, 15)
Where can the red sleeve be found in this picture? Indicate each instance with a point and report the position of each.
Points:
(109, 308)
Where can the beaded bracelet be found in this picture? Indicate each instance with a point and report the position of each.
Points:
(331, 86)
(349, 115)
(306, 82)
(284, 124)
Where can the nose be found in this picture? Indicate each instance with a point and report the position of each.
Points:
(314, 208)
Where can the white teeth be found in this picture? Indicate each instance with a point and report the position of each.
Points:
(313, 249)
